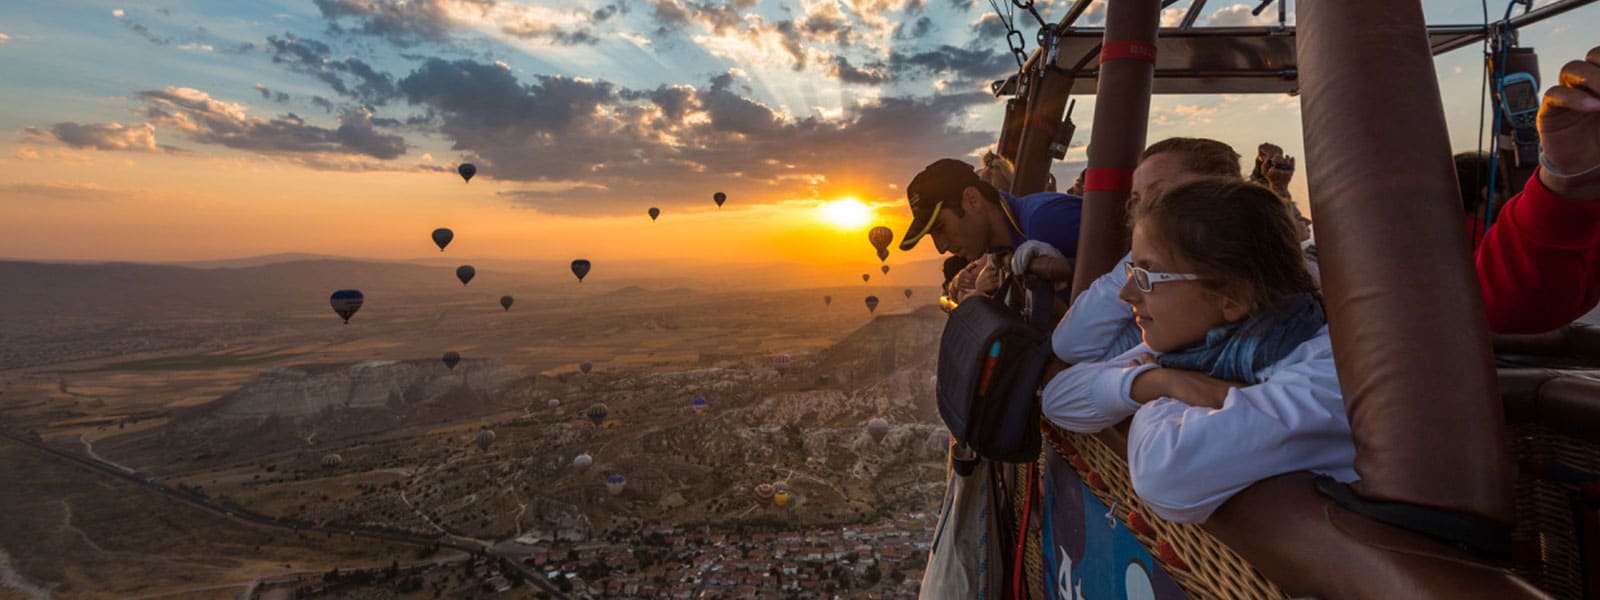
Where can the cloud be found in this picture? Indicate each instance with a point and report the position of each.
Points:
(1239, 15)
(267, 94)
(101, 136)
(910, 30)
(969, 67)
(585, 146)
(404, 23)
(534, 29)
(117, 12)
(844, 71)
(67, 192)
(4, 38)
(209, 121)
(349, 77)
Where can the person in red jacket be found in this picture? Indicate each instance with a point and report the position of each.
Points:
(1539, 265)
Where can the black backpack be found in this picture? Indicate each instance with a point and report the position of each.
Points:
(991, 366)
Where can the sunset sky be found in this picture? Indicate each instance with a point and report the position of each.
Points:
(191, 130)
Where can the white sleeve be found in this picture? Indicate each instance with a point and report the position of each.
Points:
(1099, 325)
(1186, 461)
(1089, 397)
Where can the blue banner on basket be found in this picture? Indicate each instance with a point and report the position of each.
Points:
(1089, 551)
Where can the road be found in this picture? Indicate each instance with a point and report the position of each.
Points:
(532, 577)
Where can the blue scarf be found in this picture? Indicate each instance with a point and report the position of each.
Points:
(1236, 351)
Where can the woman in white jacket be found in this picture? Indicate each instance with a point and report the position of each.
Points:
(1234, 381)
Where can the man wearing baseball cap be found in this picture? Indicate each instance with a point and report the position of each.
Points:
(970, 218)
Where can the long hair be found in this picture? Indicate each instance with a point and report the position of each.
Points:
(1238, 235)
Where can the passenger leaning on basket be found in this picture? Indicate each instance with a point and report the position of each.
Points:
(1234, 381)
(1099, 326)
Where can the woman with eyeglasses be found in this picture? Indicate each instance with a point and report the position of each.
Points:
(1234, 381)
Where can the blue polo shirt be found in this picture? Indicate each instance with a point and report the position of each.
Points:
(1049, 217)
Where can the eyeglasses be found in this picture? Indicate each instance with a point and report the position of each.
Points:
(1146, 280)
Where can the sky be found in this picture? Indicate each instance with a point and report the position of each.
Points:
(173, 130)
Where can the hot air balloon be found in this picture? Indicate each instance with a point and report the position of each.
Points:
(780, 494)
(781, 363)
(580, 268)
(908, 293)
(865, 277)
(485, 439)
(585, 366)
(615, 482)
(719, 198)
(827, 300)
(883, 254)
(880, 237)
(581, 462)
(698, 404)
(505, 302)
(451, 359)
(597, 413)
(878, 427)
(764, 493)
(885, 269)
(442, 237)
(332, 460)
(465, 273)
(552, 404)
(654, 212)
(872, 304)
(346, 303)
(467, 170)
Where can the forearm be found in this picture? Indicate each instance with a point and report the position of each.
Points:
(1051, 268)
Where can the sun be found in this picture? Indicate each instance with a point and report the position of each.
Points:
(845, 213)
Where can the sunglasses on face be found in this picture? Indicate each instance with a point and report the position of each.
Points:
(1146, 280)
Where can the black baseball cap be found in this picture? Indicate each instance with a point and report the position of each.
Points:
(942, 181)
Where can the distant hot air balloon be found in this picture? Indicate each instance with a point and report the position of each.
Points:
(654, 212)
(505, 302)
(485, 439)
(719, 198)
(585, 366)
(580, 268)
(878, 427)
(780, 494)
(764, 493)
(552, 404)
(346, 303)
(581, 462)
(880, 237)
(872, 304)
(467, 170)
(597, 413)
(332, 460)
(615, 482)
(883, 254)
(465, 273)
(865, 277)
(827, 300)
(442, 237)
(908, 293)
(698, 404)
(885, 269)
(781, 363)
(451, 359)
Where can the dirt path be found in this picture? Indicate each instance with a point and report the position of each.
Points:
(10, 578)
(88, 447)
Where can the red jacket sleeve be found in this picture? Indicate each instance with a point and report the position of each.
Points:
(1539, 265)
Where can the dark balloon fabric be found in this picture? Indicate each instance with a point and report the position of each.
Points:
(467, 170)
(346, 303)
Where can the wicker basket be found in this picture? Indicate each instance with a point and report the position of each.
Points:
(1197, 561)
(1548, 550)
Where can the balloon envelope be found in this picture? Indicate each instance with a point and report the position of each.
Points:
(719, 198)
(585, 366)
(580, 268)
(885, 269)
(442, 237)
(908, 293)
(615, 482)
(764, 492)
(467, 170)
(865, 277)
(552, 404)
(872, 304)
(465, 273)
(827, 300)
(451, 359)
(878, 427)
(880, 237)
(332, 460)
(597, 413)
(654, 212)
(505, 301)
(781, 363)
(883, 254)
(581, 462)
(698, 404)
(346, 303)
(780, 498)
(485, 439)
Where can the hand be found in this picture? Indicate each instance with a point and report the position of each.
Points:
(988, 280)
(1189, 387)
(1569, 130)
(977, 278)
(1023, 256)
(1279, 171)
